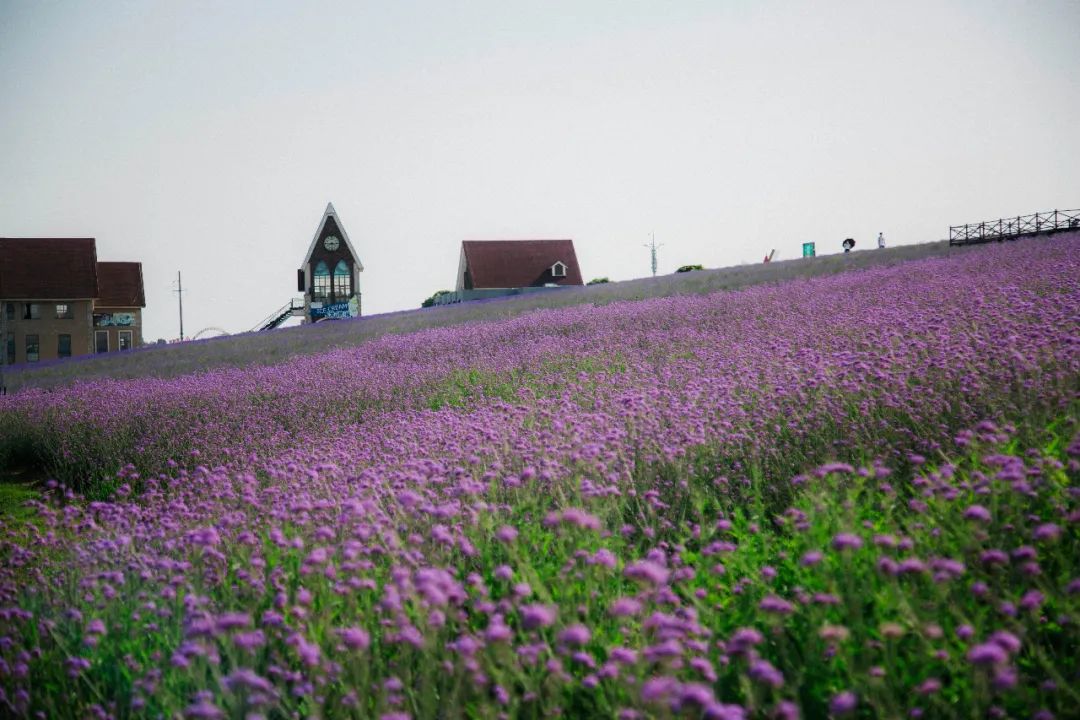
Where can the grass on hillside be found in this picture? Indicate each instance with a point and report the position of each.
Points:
(272, 347)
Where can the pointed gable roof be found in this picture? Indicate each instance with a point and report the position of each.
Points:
(48, 268)
(519, 263)
(120, 284)
(330, 216)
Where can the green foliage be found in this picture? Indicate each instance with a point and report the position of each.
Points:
(690, 268)
(438, 294)
(598, 281)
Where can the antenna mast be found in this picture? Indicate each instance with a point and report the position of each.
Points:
(653, 247)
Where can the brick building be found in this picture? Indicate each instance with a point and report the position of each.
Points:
(58, 301)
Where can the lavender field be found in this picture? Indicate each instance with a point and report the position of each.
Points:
(851, 496)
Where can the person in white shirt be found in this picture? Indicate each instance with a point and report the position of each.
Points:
(881, 241)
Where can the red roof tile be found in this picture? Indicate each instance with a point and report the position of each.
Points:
(120, 284)
(519, 263)
(48, 268)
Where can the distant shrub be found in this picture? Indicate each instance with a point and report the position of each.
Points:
(690, 268)
(431, 300)
(598, 281)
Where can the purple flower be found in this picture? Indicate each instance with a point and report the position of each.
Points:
(249, 640)
(537, 616)
(579, 518)
(1005, 678)
(1032, 600)
(203, 709)
(785, 710)
(575, 636)
(232, 621)
(764, 672)
(647, 571)
(929, 686)
(843, 703)
(977, 513)
(249, 679)
(987, 654)
(497, 631)
(1046, 531)
(775, 605)
(847, 541)
(812, 557)
(1006, 641)
(624, 607)
(309, 652)
(659, 689)
(506, 534)
(355, 638)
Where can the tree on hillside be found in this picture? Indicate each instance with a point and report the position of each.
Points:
(690, 268)
(438, 294)
(598, 281)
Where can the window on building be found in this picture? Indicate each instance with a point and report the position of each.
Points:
(63, 346)
(63, 311)
(558, 270)
(33, 348)
(101, 341)
(31, 311)
(9, 310)
(125, 339)
(320, 286)
(342, 281)
(11, 349)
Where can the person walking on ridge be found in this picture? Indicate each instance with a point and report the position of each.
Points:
(881, 241)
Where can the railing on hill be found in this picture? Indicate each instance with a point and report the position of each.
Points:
(1012, 228)
(293, 307)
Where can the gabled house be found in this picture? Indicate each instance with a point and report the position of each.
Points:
(47, 291)
(118, 306)
(330, 274)
(490, 268)
(58, 301)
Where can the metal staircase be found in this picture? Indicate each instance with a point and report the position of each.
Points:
(295, 306)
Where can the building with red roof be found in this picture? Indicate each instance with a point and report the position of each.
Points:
(51, 293)
(491, 268)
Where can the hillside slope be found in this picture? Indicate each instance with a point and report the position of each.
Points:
(275, 346)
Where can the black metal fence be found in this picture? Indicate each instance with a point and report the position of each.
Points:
(1012, 228)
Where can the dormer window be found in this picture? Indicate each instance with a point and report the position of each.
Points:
(558, 269)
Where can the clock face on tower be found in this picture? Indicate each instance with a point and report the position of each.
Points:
(331, 243)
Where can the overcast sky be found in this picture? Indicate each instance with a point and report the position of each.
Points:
(208, 137)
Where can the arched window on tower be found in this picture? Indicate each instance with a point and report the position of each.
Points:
(320, 285)
(342, 281)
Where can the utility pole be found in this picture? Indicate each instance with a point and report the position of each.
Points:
(653, 247)
(180, 296)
